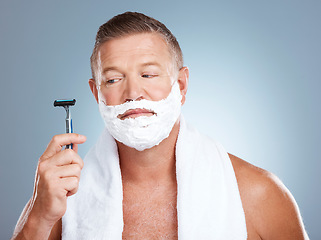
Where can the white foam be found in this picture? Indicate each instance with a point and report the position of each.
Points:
(143, 132)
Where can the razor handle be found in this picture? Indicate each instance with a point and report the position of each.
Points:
(69, 130)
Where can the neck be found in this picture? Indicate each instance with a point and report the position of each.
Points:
(151, 167)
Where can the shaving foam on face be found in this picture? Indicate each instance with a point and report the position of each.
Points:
(143, 132)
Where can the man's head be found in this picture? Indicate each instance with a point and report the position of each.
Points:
(138, 80)
(131, 23)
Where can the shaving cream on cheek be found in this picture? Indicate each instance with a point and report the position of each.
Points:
(142, 132)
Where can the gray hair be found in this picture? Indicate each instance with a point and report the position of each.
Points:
(129, 23)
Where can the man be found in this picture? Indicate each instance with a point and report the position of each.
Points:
(150, 175)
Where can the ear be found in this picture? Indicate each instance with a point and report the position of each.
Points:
(93, 88)
(183, 76)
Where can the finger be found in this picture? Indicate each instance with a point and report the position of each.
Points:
(70, 184)
(65, 157)
(58, 141)
(70, 170)
(75, 147)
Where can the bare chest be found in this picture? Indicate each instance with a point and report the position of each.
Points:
(150, 216)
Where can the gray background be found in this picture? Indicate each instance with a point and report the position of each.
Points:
(254, 85)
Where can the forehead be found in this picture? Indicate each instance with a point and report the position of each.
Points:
(143, 45)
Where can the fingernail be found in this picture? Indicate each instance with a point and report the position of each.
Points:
(83, 137)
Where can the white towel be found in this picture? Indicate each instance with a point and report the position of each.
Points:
(208, 201)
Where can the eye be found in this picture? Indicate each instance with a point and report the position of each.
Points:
(148, 75)
(111, 81)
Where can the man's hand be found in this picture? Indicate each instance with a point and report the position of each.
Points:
(57, 177)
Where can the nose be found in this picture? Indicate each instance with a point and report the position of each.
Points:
(133, 89)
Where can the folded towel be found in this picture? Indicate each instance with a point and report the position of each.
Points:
(208, 200)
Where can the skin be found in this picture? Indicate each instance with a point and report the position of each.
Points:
(57, 177)
(139, 67)
(270, 210)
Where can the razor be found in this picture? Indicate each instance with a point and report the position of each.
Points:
(66, 104)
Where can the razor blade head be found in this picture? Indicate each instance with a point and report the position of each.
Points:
(64, 103)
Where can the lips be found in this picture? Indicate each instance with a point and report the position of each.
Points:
(133, 113)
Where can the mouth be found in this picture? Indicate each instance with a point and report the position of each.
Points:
(134, 113)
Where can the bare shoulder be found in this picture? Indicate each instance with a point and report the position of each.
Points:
(270, 209)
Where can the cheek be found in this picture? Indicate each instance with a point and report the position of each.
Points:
(159, 91)
(157, 94)
(111, 97)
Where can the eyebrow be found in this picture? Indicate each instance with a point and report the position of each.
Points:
(146, 64)
(151, 64)
(108, 69)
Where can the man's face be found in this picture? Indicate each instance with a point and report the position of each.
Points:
(135, 67)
